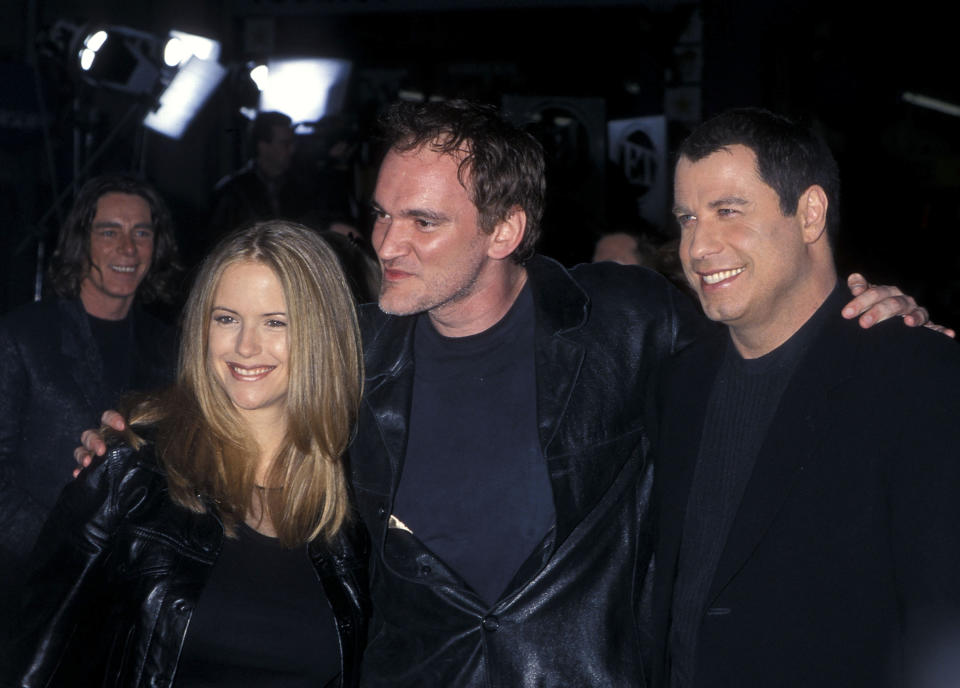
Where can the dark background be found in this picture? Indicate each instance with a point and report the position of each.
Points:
(842, 68)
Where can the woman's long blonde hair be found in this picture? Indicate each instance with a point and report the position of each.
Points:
(209, 455)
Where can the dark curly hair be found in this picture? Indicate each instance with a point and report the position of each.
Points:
(501, 166)
(71, 261)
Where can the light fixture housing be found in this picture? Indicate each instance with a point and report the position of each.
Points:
(191, 87)
(191, 75)
(118, 58)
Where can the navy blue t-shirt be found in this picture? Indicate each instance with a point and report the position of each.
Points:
(475, 488)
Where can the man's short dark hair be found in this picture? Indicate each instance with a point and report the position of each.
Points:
(264, 124)
(790, 157)
(501, 166)
(71, 261)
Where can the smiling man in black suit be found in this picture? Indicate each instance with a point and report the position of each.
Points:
(808, 472)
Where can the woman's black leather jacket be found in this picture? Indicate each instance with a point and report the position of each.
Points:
(118, 571)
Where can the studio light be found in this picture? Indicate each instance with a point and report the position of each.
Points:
(181, 45)
(190, 88)
(306, 89)
(259, 75)
(119, 58)
(191, 75)
(91, 44)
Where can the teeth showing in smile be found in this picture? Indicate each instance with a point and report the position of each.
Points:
(250, 372)
(715, 277)
(124, 268)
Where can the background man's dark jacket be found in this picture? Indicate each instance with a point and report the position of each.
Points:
(50, 391)
(117, 574)
(571, 615)
(848, 534)
(244, 197)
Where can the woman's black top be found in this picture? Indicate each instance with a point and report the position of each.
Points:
(262, 620)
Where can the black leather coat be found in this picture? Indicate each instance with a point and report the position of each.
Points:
(573, 615)
(118, 571)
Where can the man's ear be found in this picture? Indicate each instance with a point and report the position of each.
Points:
(508, 234)
(812, 211)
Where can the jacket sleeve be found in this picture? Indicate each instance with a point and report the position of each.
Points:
(20, 515)
(65, 581)
(923, 484)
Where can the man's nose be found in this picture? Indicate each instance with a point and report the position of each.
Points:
(389, 239)
(703, 241)
(127, 245)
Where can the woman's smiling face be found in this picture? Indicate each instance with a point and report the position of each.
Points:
(248, 344)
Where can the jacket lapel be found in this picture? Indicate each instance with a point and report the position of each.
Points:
(388, 393)
(676, 440)
(686, 390)
(799, 427)
(561, 306)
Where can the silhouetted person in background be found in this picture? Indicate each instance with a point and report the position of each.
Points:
(66, 358)
(264, 188)
(625, 247)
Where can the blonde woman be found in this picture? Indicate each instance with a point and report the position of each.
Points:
(215, 545)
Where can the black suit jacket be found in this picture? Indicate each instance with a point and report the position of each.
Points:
(846, 545)
(50, 391)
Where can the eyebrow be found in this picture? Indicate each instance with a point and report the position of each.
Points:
(416, 213)
(728, 200)
(230, 310)
(114, 223)
(424, 214)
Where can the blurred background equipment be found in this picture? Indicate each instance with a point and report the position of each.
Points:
(609, 87)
